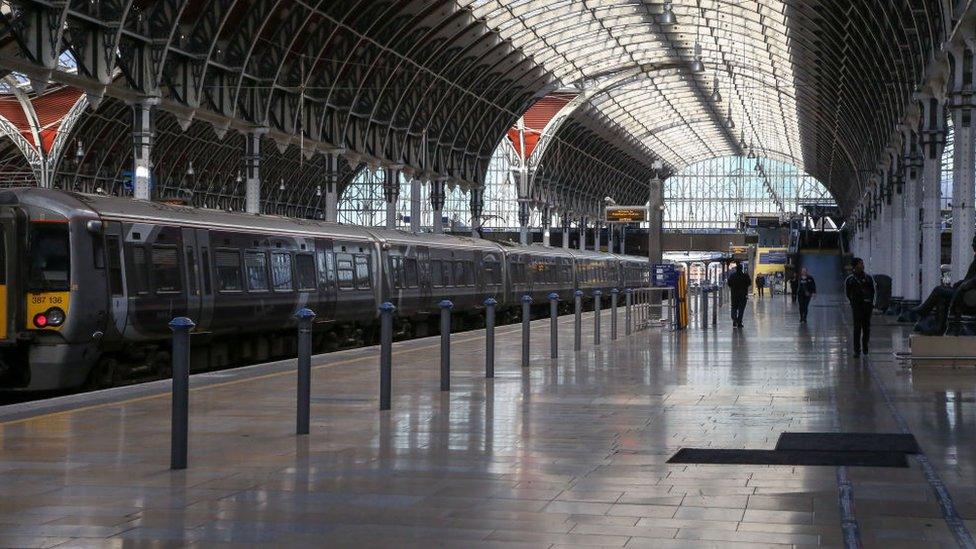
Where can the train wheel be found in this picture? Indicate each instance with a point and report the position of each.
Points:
(107, 373)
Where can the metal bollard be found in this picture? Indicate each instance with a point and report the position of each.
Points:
(526, 318)
(553, 325)
(305, 317)
(578, 332)
(613, 313)
(386, 354)
(179, 426)
(716, 302)
(490, 336)
(703, 317)
(629, 293)
(596, 316)
(446, 307)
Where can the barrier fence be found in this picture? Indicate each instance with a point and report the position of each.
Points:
(645, 308)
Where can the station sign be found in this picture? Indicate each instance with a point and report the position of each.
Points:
(664, 275)
(626, 214)
(772, 258)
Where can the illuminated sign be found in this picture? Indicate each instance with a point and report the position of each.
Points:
(626, 214)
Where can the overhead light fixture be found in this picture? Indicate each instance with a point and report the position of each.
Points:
(716, 94)
(752, 153)
(696, 63)
(742, 140)
(189, 168)
(728, 119)
(667, 16)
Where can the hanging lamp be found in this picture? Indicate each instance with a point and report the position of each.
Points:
(667, 16)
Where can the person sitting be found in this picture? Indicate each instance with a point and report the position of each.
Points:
(934, 311)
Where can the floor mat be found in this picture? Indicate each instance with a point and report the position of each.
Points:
(848, 442)
(788, 457)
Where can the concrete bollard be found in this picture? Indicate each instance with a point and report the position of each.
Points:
(386, 354)
(446, 307)
(596, 316)
(613, 313)
(304, 407)
(578, 328)
(179, 426)
(553, 325)
(629, 295)
(526, 318)
(490, 337)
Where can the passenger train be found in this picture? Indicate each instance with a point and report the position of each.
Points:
(89, 284)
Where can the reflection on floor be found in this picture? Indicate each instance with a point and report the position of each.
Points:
(564, 453)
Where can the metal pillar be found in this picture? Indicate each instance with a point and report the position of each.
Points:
(446, 307)
(437, 197)
(332, 188)
(490, 337)
(553, 325)
(304, 388)
(911, 231)
(655, 218)
(565, 220)
(179, 426)
(577, 330)
(933, 137)
(386, 355)
(596, 316)
(391, 193)
(252, 172)
(546, 226)
(623, 239)
(629, 294)
(582, 234)
(897, 230)
(962, 103)
(597, 237)
(477, 204)
(526, 319)
(142, 142)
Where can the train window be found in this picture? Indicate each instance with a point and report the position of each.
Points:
(326, 261)
(192, 272)
(410, 272)
(205, 263)
(436, 274)
(344, 268)
(228, 264)
(362, 272)
(305, 268)
(139, 282)
(281, 271)
(459, 274)
(114, 261)
(98, 251)
(166, 269)
(493, 273)
(447, 272)
(49, 257)
(256, 271)
(396, 265)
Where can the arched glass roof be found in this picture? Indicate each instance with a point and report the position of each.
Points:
(796, 81)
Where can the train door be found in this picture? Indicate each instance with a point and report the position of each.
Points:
(118, 305)
(325, 267)
(191, 272)
(423, 274)
(205, 276)
(8, 266)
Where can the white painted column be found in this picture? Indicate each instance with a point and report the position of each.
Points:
(415, 204)
(963, 191)
(332, 188)
(142, 141)
(437, 197)
(252, 172)
(565, 220)
(911, 231)
(391, 194)
(897, 235)
(477, 205)
(582, 234)
(933, 142)
(546, 226)
(596, 236)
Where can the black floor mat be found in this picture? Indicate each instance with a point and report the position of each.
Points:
(848, 442)
(788, 457)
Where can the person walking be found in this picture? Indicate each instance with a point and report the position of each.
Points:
(761, 285)
(793, 280)
(859, 289)
(739, 284)
(805, 290)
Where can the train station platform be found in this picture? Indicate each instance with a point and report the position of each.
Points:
(565, 453)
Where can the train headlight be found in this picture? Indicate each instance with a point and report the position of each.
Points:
(55, 316)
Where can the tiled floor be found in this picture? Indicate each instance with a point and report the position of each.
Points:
(565, 453)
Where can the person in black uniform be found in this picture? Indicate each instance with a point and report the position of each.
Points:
(859, 288)
(806, 288)
(793, 279)
(761, 285)
(739, 284)
(937, 303)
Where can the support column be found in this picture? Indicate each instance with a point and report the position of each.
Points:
(565, 220)
(415, 203)
(897, 231)
(142, 142)
(596, 235)
(582, 233)
(332, 188)
(252, 172)
(523, 217)
(655, 221)
(911, 230)
(391, 194)
(962, 103)
(887, 221)
(623, 239)
(477, 204)
(933, 142)
(437, 203)
(546, 225)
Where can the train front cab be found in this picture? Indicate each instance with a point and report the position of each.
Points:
(39, 349)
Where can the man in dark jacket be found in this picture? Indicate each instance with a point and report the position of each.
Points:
(761, 285)
(937, 304)
(859, 288)
(806, 288)
(739, 284)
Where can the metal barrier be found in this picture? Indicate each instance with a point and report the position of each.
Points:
(179, 426)
(304, 388)
(446, 307)
(652, 307)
